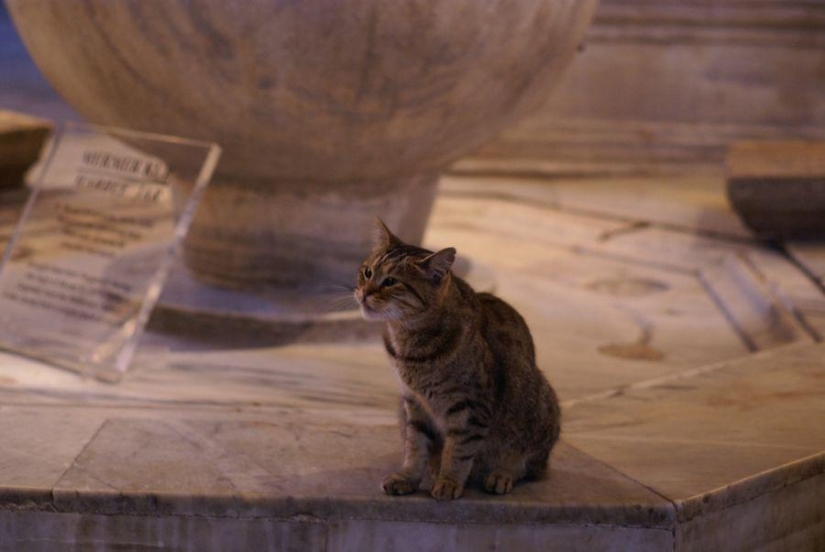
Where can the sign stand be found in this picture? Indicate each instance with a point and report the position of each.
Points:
(99, 232)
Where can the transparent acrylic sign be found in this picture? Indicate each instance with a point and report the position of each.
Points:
(87, 261)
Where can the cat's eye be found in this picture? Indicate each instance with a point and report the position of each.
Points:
(367, 273)
(387, 282)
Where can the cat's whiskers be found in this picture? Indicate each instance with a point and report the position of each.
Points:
(336, 298)
(341, 304)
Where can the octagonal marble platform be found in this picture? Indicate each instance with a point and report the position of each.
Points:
(688, 358)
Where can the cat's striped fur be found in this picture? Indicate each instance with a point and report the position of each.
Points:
(474, 405)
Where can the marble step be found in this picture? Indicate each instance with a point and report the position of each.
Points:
(727, 457)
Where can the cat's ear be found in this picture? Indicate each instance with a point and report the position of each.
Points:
(384, 238)
(437, 265)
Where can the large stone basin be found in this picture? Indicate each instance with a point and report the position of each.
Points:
(330, 112)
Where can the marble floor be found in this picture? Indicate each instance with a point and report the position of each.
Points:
(688, 357)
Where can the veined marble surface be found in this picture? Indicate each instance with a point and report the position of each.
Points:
(687, 357)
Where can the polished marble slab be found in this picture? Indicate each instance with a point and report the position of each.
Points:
(37, 448)
(702, 441)
(695, 204)
(276, 468)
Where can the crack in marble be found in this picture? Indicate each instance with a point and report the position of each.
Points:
(74, 463)
(558, 205)
(670, 378)
(593, 435)
(671, 503)
(238, 470)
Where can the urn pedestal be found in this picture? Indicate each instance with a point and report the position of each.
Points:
(299, 236)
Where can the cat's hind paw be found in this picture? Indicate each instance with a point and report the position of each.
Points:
(498, 483)
(444, 489)
(399, 484)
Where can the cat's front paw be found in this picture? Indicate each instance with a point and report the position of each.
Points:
(399, 484)
(498, 483)
(444, 489)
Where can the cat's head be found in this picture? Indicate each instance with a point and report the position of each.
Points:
(399, 281)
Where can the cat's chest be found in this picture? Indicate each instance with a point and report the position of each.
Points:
(425, 378)
(432, 389)
(409, 377)
(433, 403)
(429, 373)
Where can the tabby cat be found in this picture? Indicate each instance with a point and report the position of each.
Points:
(474, 405)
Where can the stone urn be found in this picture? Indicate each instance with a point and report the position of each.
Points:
(330, 112)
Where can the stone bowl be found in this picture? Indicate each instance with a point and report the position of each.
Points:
(329, 112)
